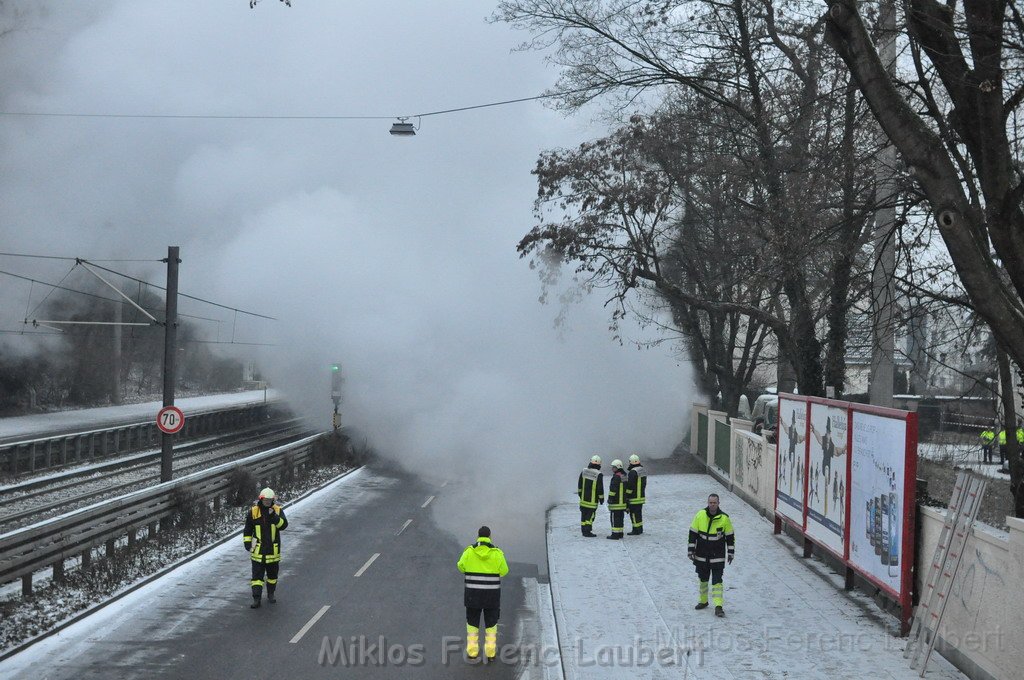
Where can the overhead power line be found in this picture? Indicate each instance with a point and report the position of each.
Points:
(190, 297)
(71, 259)
(94, 295)
(205, 116)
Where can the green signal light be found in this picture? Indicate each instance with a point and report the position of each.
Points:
(335, 367)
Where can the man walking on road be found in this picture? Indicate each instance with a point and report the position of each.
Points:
(484, 564)
(617, 499)
(590, 489)
(262, 538)
(636, 494)
(711, 545)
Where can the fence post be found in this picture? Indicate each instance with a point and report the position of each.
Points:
(86, 558)
(58, 571)
(26, 586)
(110, 548)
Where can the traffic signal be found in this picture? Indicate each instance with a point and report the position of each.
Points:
(336, 384)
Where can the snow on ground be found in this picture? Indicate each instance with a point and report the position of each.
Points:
(625, 608)
(964, 456)
(43, 424)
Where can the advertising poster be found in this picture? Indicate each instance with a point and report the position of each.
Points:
(789, 483)
(827, 484)
(877, 484)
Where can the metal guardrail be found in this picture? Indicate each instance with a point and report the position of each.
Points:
(49, 543)
(32, 455)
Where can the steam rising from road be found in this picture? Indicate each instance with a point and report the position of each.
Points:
(394, 256)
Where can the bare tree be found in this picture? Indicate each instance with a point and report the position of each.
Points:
(955, 126)
(769, 72)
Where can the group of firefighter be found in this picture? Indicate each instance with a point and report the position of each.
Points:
(711, 546)
(712, 542)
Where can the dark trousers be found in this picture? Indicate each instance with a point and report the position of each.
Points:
(587, 519)
(1002, 453)
(258, 571)
(986, 453)
(618, 517)
(490, 616)
(712, 572)
(636, 516)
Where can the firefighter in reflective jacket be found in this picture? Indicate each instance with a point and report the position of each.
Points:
(590, 489)
(636, 494)
(617, 499)
(262, 538)
(711, 545)
(484, 564)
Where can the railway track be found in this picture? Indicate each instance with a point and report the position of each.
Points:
(88, 485)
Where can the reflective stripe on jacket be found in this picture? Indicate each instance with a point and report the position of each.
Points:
(617, 493)
(590, 487)
(636, 485)
(711, 537)
(483, 564)
(261, 537)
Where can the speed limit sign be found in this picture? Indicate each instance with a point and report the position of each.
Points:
(170, 420)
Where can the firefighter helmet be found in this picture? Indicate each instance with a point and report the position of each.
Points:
(596, 460)
(617, 463)
(634, 459)
(267, 493)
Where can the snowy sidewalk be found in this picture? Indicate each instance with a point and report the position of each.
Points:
(626, 607)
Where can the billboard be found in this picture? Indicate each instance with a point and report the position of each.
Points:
(789, 487)
(827, 480)
(877, 503)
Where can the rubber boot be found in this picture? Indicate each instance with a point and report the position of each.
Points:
(491, 642)
(702, 602)
(472, 641)
(257, 594)
(270, 594)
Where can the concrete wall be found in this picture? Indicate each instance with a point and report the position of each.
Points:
(982, 629)
(753, 470)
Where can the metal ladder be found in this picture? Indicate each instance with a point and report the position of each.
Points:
(963, 509)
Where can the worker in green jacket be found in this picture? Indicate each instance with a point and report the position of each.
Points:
(483, 564)
(987, 436)
(712, 544)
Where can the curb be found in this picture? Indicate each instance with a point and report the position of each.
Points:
(155, 575)
(551, 589)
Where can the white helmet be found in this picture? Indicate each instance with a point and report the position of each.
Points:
(267, 493)
(596, 460)
(617, 463)
(634, 459)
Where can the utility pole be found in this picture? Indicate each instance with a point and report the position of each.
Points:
(170, 356)
(115, 392)
(882, 274)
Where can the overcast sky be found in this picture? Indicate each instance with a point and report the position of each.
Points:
(395, 256)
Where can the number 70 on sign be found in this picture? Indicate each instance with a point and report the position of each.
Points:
(170, 420)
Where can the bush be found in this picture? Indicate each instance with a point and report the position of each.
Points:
(187, 508)
(242, 487)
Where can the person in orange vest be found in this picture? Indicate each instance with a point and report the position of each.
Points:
(262, 539)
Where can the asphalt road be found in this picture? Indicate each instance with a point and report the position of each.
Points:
(196, 621)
